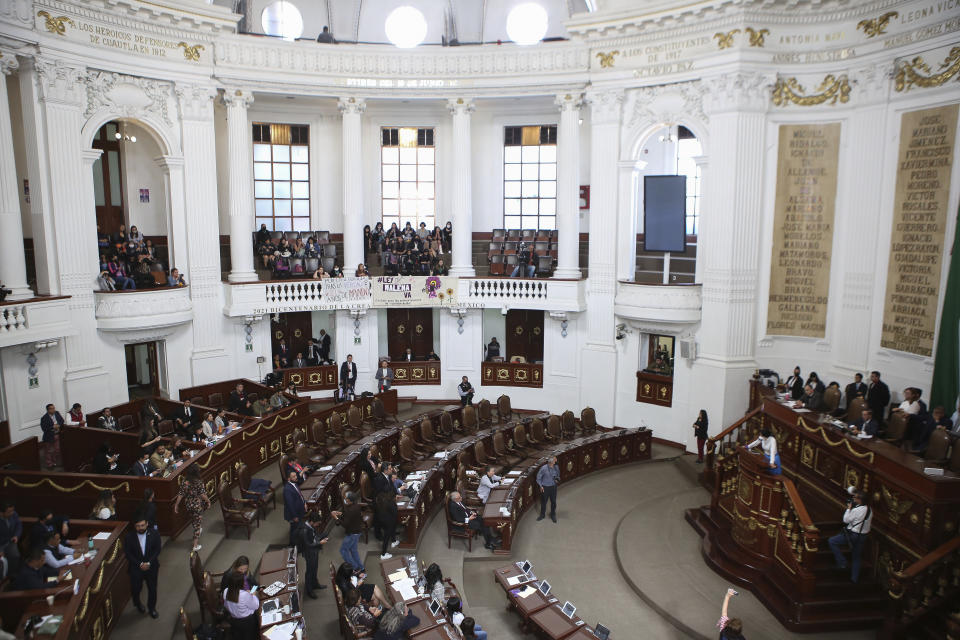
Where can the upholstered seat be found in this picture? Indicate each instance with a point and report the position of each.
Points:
(237, 513)
(455, 529)
(257, 489)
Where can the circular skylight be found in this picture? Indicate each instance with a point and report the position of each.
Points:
(527, 23)
(406, 27)
(282, 19)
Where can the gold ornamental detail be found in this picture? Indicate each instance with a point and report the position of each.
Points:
(607, 59)
(877, 26)
(756, 36)
(191, 53)
(725, 40)
(32, 485)
(55, 25)
(832, 89)
(908, 73)
(895, 506)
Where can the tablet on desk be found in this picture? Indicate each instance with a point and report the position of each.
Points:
(524, 566)
(544, 587)
(568, 609)
(435, 607)
(601, 632)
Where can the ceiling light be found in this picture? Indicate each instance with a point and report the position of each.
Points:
(406, 27)
(282, 18)
(527, 23)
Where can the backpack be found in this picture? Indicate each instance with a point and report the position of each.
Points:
(208, 632)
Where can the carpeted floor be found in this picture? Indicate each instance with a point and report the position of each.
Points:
(620, 535)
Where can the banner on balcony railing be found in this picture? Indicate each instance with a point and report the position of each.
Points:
(345, 293)
(414, 291)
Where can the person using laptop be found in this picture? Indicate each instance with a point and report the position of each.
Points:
(455, 611)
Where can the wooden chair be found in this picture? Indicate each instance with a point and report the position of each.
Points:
(502, 453)
(554, 429)
(896, 427)
(336, 430)
(471, 482)
(470, 422)
(214, 600)
(420, 448)
(196, 573)
(261, 494)
(954, 464)
(536, 435)
(237, 513)
(407, 454)
(857, 405)
(427, 433)
(938, 448)
(367, 513)
(317, 437)
(446, 429)
(831, 398)
(482, 458)
(499, 234)
(354, 420)
(470, 497)
(456, 529)
(379, 413)
(588, 420)
(185, 623)
(484, 414)
(568, 424)
(504, 410)
(496, 265)
(520, 441)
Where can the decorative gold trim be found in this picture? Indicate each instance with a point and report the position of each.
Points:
(757, 36)
(788, 90)
(55, 25)
(27, 485)
(607, 59)
(907, 76)
(250, 434)
(897, 507)
(214, 453)
(877, 26)
(95, 587)
(819, 429)
(725, 40)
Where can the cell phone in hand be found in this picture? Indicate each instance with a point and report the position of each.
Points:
(735, 592)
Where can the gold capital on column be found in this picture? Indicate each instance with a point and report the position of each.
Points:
(352, 105)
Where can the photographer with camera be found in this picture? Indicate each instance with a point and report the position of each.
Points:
(856, 519)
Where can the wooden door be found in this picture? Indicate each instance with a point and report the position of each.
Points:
(295, 328)
(525, 334)
(154, 368)
(409, 328)
(107, 179)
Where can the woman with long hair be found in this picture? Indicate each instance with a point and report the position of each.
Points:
(464, 623)
(243, 608)
(240, 566)
(106, 506)
(195, 499)
(347, 578)
(149, 436)
(395, 623)
(434, 582)
(700, 431)
(769, 445)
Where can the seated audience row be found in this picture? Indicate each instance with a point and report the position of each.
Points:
(129, 261)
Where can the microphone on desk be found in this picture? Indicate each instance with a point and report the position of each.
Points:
(75, 587)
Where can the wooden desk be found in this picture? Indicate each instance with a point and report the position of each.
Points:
(503, 575)
(584, 633)
(552, 624)
(528, 606)
(511, 374)
(654, 388)
(416, 373)
(273, 561)
(420, 608)
(443, 631)
(273, 568)
(320, 378)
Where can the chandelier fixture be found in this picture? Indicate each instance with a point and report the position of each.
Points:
(406, 27)
(122, 134)
(527, 23)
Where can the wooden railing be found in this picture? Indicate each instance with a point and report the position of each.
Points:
(927, 589)
(796, 528)
(726, 441)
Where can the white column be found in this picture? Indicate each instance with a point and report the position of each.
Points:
(462, 200)
(240, 179)
(599, 354)
(568, 187)
(729, 241)
(13, 267)
(211, 330)
(352, 111)
(171, 167)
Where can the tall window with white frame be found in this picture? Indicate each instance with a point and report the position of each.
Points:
(408, 176)
(281, 176)
(688, 149)
(530, 177)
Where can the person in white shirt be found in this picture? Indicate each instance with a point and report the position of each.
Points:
(243, 608)
(55, 554)
(911, 402)
(857, 520)
(769, 445)
(384, 377)
(487, 482)
(209, 426)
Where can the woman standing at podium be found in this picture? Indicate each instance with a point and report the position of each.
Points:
(769, 445)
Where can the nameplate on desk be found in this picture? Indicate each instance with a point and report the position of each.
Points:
(933, 471)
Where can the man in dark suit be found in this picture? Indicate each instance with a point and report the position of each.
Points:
(142, 466)
(11, 530)
(471, 519)
(294, 504)
(856, 389)
(878, 395)
(309, 542)
(348, 374)
(299, 361)
(34, 573)
(239, 402)
(407, 356)
(324, 346)
(283, 350)
(313, 353)
(142, 547)
(52, 424)
(185, 419)
(811, 399)
(866, 423)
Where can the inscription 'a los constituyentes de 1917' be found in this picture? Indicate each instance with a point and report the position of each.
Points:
(803, 230)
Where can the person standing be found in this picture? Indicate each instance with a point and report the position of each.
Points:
(142, 548)
(294, 504)
(466, 391)
(700, 431)
(386, 514)
(769, 445)
(324, 346)
(384, 377)
(730, 628)
(794, 384)
(51, 423)
(878, 396)
(857, 520)
(348, 375)
(351, 518)
(856, 389)
(548, 477)
(242, 607)
(195, 499)
(493, 349)
(310, 543)
(11, 529)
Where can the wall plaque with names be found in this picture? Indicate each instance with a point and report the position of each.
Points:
(803, 229)
(920, 219)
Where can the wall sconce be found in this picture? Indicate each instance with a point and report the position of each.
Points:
(564, 323)
(460, 313)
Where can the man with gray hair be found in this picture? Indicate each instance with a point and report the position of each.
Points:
(351, 518)
(470, 519)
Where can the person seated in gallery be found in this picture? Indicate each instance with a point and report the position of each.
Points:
(119, 274)
(439, 269)
(149, 436)
(34, 573)
(407, 356)
(105, 461)
(866, 424)
(75, 417)
(57, 555)
(161, 459)
(299, 361)
(175, 279)
(267, 250)
(142, 467)
(239, 403)
(281, 264)
(185, 418)
(814, 380)
(811, 399)
(279, 401)
(107, 421)
(525, 267)
(361, 271)
(432, 355)
(105, 508)
(197, 435)
(261, 407)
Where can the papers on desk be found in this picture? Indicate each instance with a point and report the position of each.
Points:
(515, 472)
(396, 576)
(802, 410)
(48, 626)
(526, 592)
(271, 618)
(508, 481)
(471, 472)
(515, 580)
(407, 588)
(505, 511)
(103, 535)
(275, 588)
(325, 468)
(440, 454)
(864, 436)
(282, 631)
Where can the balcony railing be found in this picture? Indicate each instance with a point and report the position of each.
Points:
(34, 320)
(277, 296)
(142, 309)
(662, 304)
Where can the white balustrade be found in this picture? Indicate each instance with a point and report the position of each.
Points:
(13, 318)
(143, 309)
(662, 305)
(34, 320)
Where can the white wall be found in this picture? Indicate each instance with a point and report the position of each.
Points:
(19, 152)
(141, 172)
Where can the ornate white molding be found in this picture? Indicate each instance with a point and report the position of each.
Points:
(667, 103)
(461, 106)
(237, 98)
(737, 91)
(352, 106)
(605, 106)
(660, 305)
(874, 82)
(8, 62)
(17, 11)
(568, 101)
(195, 102)
(60, 83)
(129, 96)
(136, 310)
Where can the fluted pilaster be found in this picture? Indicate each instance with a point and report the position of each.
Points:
(13, 267)
(351, 109)
(240, 180)
(568, 186)
(462, 200)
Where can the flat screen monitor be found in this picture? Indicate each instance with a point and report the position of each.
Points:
(665, 213)
(525, 566)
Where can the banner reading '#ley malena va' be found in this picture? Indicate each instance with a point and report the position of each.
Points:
(414, 291)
